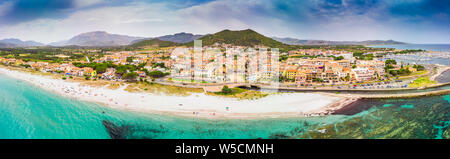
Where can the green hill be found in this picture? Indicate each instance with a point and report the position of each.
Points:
(240, 38)
(247, 37)
(154, 43)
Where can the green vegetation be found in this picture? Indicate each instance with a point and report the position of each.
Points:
(401, 72)
(161, 65)
(387, 62)
(129, 59)
(42, 54)
(247, 37)
(149, 87)
(419, 67)
(338, 58)
(157, 74)
(422, 82)
(240, 38)
(409, 51)
(360, 55)
(154, 43)
(226, 90)
(131, 76)
(303, 56)
(239, 93)
(317, 80)
(99, 67)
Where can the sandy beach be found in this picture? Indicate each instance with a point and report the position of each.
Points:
(197, 104)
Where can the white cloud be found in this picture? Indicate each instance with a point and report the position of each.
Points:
(137, 20)
(156, 19)
(87, 3)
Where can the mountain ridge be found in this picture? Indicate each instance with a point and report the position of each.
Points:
(177, 38)
(13, 42)
(246, 37)
(97, 38)
(294, 41)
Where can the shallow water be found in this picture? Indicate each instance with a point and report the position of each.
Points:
(27, 111)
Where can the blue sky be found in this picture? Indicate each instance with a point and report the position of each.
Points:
(415, 21)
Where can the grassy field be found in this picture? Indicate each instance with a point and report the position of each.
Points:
(422, 82)
(241, 94)
(161, 89)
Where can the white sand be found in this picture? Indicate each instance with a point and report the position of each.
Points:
(198, 104)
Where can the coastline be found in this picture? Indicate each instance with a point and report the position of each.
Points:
(284, 105)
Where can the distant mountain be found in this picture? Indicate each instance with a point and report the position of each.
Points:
(177, 38)
(180, 37)
(155, 43)
(382, 42)
(59, 43)
(97, 38)
(5, 45)
(240, 38)
(18, 43)
(293, 41)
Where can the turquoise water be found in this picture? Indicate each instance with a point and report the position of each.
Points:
(30, 112)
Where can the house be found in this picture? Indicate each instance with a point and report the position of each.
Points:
(109, 74)
(89, 72)
(363, 74)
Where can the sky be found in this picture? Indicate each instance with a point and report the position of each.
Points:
(413, 21)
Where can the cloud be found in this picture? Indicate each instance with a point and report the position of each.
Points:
(87, 3)
(304, 19)
(130, 21)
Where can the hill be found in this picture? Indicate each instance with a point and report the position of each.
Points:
(154, 43)
(293, 41)
(18, 43)
(177, 38)
(240, 38)
(98, 38)
(180, 37)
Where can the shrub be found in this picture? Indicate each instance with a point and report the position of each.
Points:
(226, 90)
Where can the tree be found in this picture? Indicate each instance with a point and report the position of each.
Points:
(226, 90)
(387, 62)
(129, 59)
(419, 67)
(157, 74)
(101, 68)
(388, 67)
(339, 58)
(121, 69)
(130, 76)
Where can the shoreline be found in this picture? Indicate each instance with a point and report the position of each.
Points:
(197, 105)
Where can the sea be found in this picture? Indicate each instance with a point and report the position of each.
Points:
(29, 112)
(442, 57)
(427, 47)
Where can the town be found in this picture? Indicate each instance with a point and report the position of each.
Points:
(221, 63)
